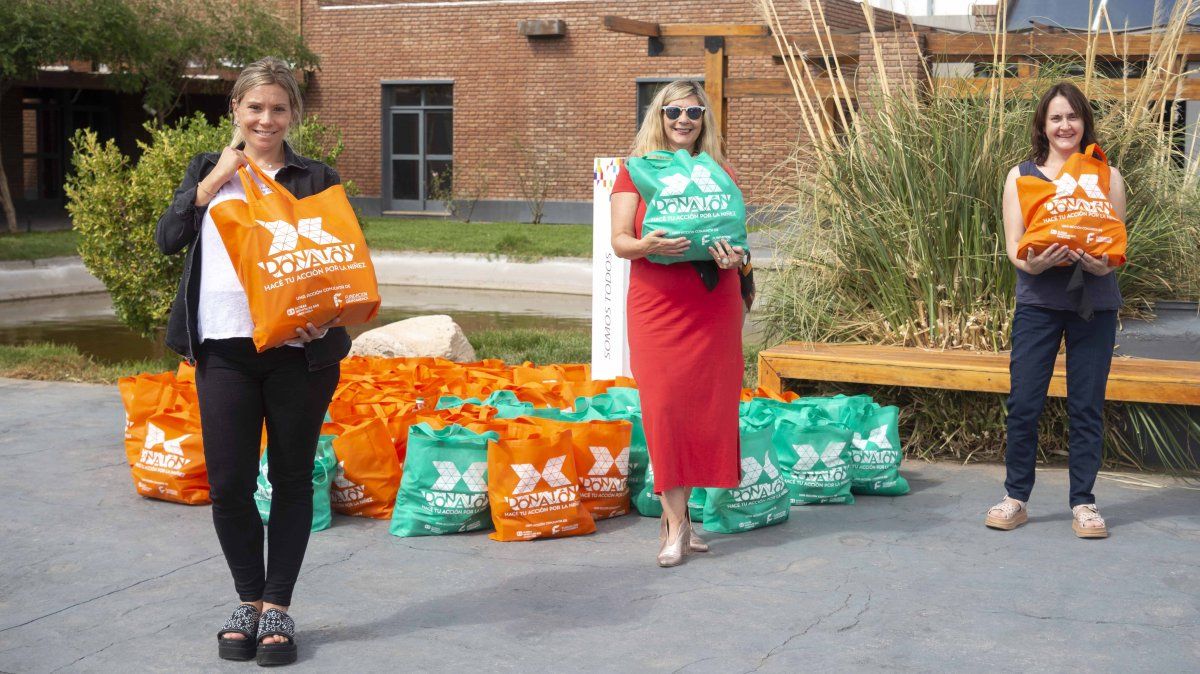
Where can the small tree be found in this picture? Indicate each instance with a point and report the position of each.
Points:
(533, 178)
(36, 33)
(115, 205)
(177, 37)
(459, 201)
(147, 45)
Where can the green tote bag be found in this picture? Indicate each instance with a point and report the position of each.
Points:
(444, 485)
(324, 467)
(688, 196)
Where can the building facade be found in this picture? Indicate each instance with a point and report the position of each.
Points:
(424, 88)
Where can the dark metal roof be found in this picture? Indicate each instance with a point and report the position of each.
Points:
(1073, 14)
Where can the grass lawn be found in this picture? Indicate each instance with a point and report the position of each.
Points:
(536, 346)
(37, 245)
(518, 240)
(55, 362)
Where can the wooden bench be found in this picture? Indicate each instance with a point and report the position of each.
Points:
(1144, 380)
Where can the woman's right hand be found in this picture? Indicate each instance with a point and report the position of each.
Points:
(655, 244)
(1052, 256)
(230, 161)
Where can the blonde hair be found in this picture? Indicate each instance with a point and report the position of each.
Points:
(653, 134)
(269, 70)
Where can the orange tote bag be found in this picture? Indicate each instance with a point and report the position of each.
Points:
(299, 260)
(368, 471)
(1073, 210)
(601, 450)
(534, 489)
(169, 462)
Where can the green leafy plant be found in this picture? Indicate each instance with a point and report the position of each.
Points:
(115, 204)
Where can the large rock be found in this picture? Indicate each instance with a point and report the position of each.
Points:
(435, 336)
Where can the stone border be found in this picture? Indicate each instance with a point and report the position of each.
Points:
(52, 277)
(59, 276)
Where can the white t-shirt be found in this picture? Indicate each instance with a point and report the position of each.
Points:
(224, 310)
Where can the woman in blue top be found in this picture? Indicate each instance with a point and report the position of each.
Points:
(1048, 309)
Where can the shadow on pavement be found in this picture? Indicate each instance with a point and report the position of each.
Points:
(544, 601)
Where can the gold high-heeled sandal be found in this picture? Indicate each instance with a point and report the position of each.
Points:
(673, 551)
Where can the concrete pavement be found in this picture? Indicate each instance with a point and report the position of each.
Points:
(95, 578)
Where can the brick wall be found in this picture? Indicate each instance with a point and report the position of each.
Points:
(901, 55)
(29, 177)
(569, 99)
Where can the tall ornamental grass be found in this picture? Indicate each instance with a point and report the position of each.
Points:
(892, 232)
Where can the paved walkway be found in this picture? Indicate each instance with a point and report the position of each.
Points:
(94, 578)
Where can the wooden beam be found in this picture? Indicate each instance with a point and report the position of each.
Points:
(843, 45)
(1189, 89)
(943, 46)
(1142, 380)
(747, 87)
(716, 67)
(753, 87)
(713, 29)
(619, 24)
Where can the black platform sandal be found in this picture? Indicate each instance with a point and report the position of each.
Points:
(276, 623)
(244, 621)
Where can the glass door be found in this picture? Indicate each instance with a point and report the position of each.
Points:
(405, 162)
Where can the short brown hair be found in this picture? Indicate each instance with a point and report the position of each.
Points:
(1040, 149)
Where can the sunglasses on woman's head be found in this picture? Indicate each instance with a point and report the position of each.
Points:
(694, 112)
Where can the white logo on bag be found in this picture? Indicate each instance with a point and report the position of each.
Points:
(339, 480)
(752, 470)
(1088, 182)
(598, 480)
(345, 490)
(749, 489)
(449, 476)
(529, 476)
(285, 236)
(675, 184)
(1066, 185)
(884, 451)
(831, 456)
(605, 461)
(442, 494)
(170, 457)
(878, 437)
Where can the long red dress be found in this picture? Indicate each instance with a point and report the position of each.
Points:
(685, 350)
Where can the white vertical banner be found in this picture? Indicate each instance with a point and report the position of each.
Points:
(610, 280)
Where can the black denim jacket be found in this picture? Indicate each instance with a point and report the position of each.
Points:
(179, 227)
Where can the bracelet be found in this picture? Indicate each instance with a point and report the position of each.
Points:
(211, 195)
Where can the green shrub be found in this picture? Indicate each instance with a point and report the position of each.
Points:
(115, 204)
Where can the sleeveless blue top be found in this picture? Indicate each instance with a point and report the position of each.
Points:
(1049, 288)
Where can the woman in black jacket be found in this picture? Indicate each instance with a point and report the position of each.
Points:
(288, 387)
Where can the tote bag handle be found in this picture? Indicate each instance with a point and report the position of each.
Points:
(1094, 150)
(251, 189)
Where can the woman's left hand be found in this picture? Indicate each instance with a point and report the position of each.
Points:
(310, 332)
(726, 256)
(1096, 266)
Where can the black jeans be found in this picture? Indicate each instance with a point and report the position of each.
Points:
(239, 389)
(1036, 335)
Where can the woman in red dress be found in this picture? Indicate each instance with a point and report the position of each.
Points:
(685, 338)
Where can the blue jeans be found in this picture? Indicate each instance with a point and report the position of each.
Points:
(1036, 335)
